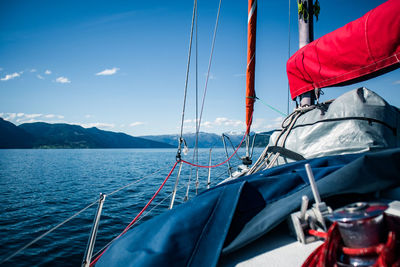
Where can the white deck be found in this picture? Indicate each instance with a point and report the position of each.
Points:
(277, 248)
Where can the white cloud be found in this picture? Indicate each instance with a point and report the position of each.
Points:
(396, 82)
(137, 123)
(190, 121)
(210, 76)
(32, 116)
(47, 72)
(228, 122)
(10, 116)
(11, 76)
(62, 79)
(88, 116)
(33, 70)
(263, 125)
(220, 124)
(40, 76)
(98, 125)
(108, 72)
(223, 124)
(19, 118)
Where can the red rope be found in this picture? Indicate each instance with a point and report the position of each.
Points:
(363, 251)
(162, 185)
(140, 213)
(318, 233)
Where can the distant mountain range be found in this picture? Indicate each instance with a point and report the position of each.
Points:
(207, 140)
(60, 135)
(45, 135)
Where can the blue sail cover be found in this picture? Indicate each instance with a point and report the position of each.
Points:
(227, 217)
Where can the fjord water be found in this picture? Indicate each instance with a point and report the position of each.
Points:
(40, 188)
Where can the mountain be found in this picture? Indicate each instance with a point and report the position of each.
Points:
(45, 135)
(206, 140)
(209, 140)
(62, 135)
(12, 136)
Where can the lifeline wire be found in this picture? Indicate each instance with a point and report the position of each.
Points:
(70, 218)
(48, 232)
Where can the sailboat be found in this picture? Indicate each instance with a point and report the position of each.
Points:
(344, 154)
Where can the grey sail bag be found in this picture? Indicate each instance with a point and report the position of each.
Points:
(357, 121)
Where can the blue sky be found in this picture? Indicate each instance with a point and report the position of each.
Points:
(120, 65)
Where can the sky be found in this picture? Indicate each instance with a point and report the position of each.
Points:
(121, 65)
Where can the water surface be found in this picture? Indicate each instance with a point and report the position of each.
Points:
(39, 188)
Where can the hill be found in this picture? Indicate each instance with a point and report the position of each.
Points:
(12, 136)
(60, 135)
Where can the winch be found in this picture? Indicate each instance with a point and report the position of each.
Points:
(358, 234)
(361, 225)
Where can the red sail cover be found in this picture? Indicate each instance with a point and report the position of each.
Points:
(251, 62)
(358, 51)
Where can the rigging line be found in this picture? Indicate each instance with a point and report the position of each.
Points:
(269, 106)
(48, 232)
(288, 88)
(141, 212)
(135, 182)
(209, 63)
(195, 152)
(187, 73)
(230, 141)
(228, 159)
(219, 164)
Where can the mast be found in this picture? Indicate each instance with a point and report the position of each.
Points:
(251, 62)
(306, 36)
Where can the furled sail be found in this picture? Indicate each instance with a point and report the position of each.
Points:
(362, 49)
(251, 62)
